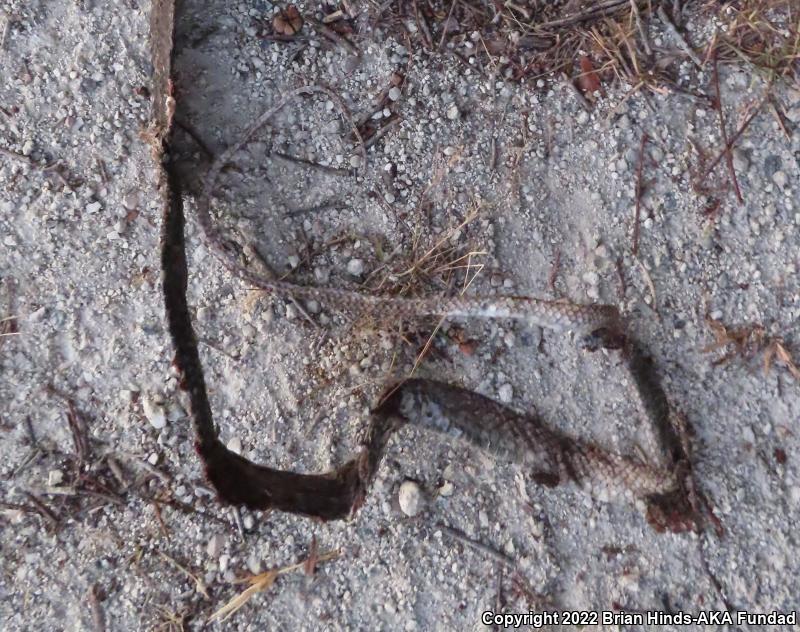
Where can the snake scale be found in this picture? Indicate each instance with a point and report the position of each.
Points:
(548, 456)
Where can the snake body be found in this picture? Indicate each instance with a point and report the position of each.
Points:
(548, 456)
(584, 320)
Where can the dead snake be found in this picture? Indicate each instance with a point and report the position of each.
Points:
(549, 456)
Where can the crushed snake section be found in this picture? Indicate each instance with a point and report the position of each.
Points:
(548, 456)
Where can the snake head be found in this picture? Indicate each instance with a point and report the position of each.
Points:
(603, 338)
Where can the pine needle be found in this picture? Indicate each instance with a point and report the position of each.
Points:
(261, 582)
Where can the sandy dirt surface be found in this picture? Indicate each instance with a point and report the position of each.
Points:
(515, 188)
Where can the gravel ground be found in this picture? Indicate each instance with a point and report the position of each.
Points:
(534, 190)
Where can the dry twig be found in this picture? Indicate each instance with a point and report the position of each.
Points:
(259, 583)
(476, 545)
(638, 194)
(724, 132)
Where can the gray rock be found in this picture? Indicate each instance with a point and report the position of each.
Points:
(409, 497)
(772, 164)
(355, 267)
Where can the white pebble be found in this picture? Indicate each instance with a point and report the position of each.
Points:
(591, 278)
(94, 207)
(235, 445)
(294, 261)
(321, 274)
(452, 112)
(505, 393)
(131, 200)
(313, 306)
(154, 411)
(254, 564)
(355, 267)
(779, 178)
(394, 93)
(355, 162)
(215, 544)
(55, 477)
(410, 498)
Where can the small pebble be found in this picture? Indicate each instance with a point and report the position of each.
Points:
(741, 163)
(322, 275)
(355, 162)
(452, 112)
(215, 544)
(153, 459)
(779, 178)
(254, 564)
(394, 93)
(410, 498)
(235, 445)
(313, 306)
(294, 261)
(249, 522)
(93, 207)
(55, 477)
(591, 278)
(355, 267)
(505, 393)
(131, 201)
(154, 411)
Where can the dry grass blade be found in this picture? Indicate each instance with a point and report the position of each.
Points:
(258, 583)
(748, 341)
(9, 327)
(261, 582)
(200, 586)
(310, 565)
(432, 266)
(763, 34)
(524, 40)
(777, 350)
